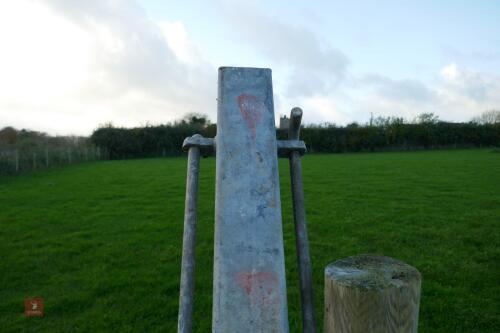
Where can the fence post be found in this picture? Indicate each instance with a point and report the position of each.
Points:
(46, 157)
(69, 155)
(368, 294)
(17, 160)
(34, 161)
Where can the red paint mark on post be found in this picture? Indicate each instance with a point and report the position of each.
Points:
(33, 307)
(251, 109)
(261, 287)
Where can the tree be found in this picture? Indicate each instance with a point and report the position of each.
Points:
(487, 117)
(196, 119)
(427, 118)
(8, 135)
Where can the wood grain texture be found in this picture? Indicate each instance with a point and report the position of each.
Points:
(371, 294)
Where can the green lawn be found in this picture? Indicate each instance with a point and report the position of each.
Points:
(101, 241)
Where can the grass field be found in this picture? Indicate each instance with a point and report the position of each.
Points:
(101, 241)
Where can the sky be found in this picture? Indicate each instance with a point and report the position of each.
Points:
(67, 67)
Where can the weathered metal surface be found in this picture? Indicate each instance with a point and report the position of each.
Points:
(301, 238)
(285, 147)
(249, 267)
(206, 145)
(294, 126)
(186, 297)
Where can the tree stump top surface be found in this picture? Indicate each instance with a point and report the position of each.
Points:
(371, 272)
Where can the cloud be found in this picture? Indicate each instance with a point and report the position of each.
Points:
(324, 109)
(458, 94)
(465, 93)
(449, 72)
(67, 66)
(177, 39)
(135, 51)
(490, 57)
(409, 90)
(96, 61)
(478, 86)
(315, 66)
(319, 76)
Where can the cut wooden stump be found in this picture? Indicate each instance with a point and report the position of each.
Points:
(371, 294)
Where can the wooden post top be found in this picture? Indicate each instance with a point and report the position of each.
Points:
(371, 272)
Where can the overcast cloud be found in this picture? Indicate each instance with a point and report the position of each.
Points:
(122, 70)
(68, 66)
(316, 67)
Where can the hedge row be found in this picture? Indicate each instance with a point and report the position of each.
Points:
(166, 140)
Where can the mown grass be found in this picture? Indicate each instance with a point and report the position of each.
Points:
(101, 241)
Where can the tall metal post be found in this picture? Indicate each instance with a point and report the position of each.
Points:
(301, 239)
(249, 266)
(186, 298)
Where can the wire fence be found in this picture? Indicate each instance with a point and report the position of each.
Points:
(18, 161)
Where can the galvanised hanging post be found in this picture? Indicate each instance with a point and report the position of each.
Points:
(249, 266)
